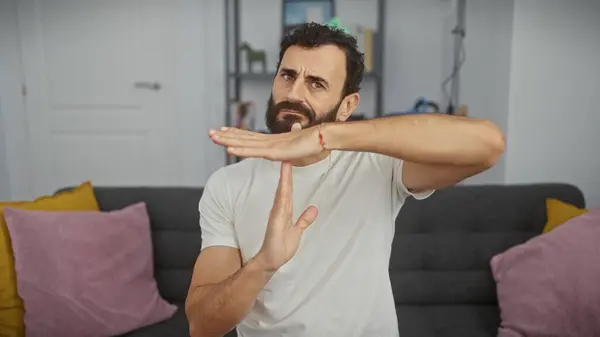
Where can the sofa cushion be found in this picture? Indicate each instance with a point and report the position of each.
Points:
(84, 273)
(559, 212)
(80, 198)
(548, 286)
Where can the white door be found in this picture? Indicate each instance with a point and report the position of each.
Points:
(99, 99)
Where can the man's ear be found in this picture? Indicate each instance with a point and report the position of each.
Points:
(348, 106)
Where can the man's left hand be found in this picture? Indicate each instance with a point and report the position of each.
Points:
(277, 147)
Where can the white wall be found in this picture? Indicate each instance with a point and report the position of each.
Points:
(11, 104)
(486, 74)
(545, 57)
(554, 89)
(199, 82)
(4, 177)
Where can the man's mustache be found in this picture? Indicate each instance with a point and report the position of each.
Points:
(297, 107)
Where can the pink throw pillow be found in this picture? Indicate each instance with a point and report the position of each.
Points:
(550, 285)
(85, 274)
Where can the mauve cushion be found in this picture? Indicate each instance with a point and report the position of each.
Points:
(550, 285)
(85, 274)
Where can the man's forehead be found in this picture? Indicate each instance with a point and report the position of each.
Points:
(324, 61)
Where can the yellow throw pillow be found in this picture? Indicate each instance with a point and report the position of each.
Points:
(559, 212)
(81, 198)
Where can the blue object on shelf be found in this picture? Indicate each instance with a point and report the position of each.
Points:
(421, 106)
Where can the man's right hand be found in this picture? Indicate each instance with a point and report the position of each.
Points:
(282, 237)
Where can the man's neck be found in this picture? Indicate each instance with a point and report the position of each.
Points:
(310, 160)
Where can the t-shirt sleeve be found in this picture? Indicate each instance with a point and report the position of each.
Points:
(398, 165)
(391, 168)
(216, 213)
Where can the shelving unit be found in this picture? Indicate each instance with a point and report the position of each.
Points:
(233, 82)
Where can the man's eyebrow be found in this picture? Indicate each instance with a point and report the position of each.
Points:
(289, 71)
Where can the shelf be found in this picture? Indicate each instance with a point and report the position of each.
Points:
(268, 76)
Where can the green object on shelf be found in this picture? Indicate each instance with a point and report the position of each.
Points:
(336, 23)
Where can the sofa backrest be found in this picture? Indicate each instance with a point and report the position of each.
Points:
(441, 250)
(443, 245)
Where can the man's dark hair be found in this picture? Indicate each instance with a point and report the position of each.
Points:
(313, 35)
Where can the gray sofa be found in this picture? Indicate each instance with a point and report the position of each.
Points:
(439, 267)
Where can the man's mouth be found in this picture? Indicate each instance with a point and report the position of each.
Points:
(290, 112)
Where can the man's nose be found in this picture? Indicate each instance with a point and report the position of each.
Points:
(297, 91)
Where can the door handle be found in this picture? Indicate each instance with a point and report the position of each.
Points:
(147, 85)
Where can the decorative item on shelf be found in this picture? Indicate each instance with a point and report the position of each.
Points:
(253, 56)
(365, 40)
(245, 116)
(297, 12)
(336, 23)
(463, 110)
(422, 105)
(369, 49)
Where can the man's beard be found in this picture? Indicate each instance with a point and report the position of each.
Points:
(277, 124)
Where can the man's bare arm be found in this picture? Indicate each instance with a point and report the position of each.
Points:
(438, 150)
(222, 291)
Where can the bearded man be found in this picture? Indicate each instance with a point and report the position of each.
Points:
(314, 262)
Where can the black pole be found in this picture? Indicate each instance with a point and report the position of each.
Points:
(459, 35)
(227, 77)
(380, 58)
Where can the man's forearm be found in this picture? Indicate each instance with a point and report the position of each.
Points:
(215, 309)
(427, 138)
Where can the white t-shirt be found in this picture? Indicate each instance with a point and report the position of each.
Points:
(338, 282)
